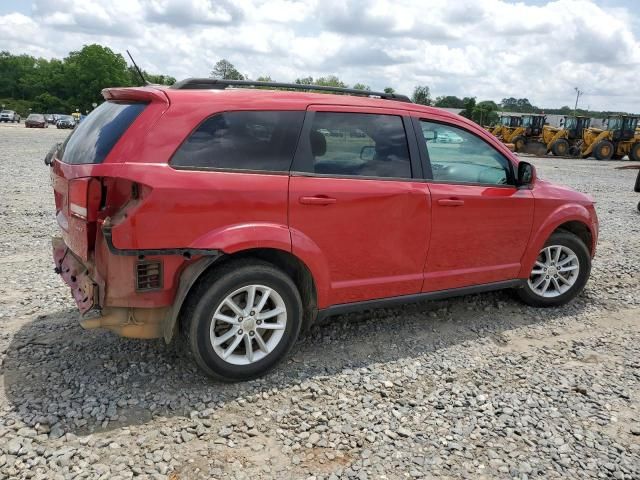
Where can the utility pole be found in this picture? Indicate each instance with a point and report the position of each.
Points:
(578, 95)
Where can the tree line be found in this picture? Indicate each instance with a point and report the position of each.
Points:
(75, 82)
(64, 86)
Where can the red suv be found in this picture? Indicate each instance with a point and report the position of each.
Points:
(238, 216)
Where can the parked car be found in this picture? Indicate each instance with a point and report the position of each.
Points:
(449, 137)
(36, 120)
(50, 118)
(9, 116)
(177, 218)
(65, 121)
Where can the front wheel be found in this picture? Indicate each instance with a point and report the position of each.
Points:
(559, 273)
(560, 147)
(519, 143)
(242, 320)
(604, 150)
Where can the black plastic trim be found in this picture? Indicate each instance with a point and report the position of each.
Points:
(343, 308)
(185, 252)
(214, 83)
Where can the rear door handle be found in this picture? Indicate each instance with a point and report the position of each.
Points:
(451, 202)
(317, 200)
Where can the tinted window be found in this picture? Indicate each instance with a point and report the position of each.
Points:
(243, 141)
(357, 144)
(457, 155)
(94, 138)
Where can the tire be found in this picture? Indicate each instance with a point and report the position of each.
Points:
(519, 143)
(634, 153)
(569, 245)
(232, 280)
(560, 147)
(604, 150)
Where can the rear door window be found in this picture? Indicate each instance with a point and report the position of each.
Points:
(246, 140)
(93, 139)
(357, 144)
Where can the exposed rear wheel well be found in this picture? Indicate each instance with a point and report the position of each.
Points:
(579, 229)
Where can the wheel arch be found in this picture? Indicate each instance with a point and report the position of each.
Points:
(574, 219)
(282, 259)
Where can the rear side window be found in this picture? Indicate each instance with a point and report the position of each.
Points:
(94, 138)
(358, 144)
(252, 140)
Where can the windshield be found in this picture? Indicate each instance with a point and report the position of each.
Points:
(95, 136)
(65, 117)
(570, 122)
(6, 111)
(526, 121)
(631, 124)
(504, 120)
(35, 116)
(614, 123)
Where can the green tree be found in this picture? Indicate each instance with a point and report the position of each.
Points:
(362, 86)
(264, 78)
(225, 70)
(421, 95)
(90, 70)
(485, 113)
(304, 81)
(449, 101)
(469, 105)
(330, 81)
(389, 90)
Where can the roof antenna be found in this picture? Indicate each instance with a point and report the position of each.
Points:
(144, 80)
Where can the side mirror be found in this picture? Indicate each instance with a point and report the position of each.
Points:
(430, 135)
(367, 153)
(51, 156)
(526, 174)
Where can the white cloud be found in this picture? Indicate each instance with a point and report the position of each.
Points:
(486, 48)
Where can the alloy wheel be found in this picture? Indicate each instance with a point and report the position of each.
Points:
(555, 271)
(248, 324)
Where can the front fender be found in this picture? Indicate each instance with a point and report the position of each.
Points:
(561, 215)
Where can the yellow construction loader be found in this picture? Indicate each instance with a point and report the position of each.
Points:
(530, 129)
(620, 137)
(565, 139)
(505, 122)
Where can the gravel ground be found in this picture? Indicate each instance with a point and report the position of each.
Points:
(475, 387)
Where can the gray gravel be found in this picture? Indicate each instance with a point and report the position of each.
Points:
(474, 387)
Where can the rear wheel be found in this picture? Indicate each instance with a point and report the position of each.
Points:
(603, 150)
(519, 143)
(559, 273)
(560, 147)
(242, 319)
(634, 154)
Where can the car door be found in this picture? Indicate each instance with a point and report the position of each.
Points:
(354, 205)
(481, 221)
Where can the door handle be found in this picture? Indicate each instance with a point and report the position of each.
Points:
(317, 200)
(451, 202)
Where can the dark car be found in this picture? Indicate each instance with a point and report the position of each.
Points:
(228, 216)
(66, 121)
(36, 120)
(9, 116)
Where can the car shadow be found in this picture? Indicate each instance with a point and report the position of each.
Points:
(55, 372)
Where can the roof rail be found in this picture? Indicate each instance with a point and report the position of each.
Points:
(214, 83)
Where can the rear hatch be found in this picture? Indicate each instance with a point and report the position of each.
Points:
(81, 174)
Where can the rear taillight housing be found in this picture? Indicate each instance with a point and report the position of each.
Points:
(84, 198)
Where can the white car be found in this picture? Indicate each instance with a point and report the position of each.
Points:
(9, 116)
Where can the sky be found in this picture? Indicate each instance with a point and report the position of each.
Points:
(490, 49)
